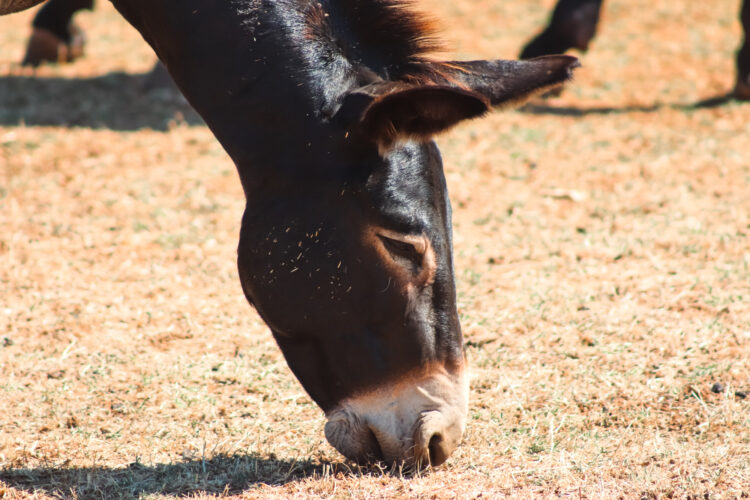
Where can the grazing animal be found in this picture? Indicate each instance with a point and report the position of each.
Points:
(574, 22)
(327, 108)
(54, 36)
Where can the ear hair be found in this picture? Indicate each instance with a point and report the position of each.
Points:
(418, 112)
(506, 83)
(441, 94)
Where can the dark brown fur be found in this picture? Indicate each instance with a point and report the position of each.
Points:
(390, 37)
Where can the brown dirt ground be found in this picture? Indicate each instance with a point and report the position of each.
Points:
(603, 267)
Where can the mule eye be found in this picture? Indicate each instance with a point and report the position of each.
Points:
(411, 253)
(402, 249)
(406, 250)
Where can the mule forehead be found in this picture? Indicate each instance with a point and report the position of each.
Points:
(409, 189)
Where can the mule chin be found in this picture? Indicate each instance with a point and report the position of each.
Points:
(416, 421)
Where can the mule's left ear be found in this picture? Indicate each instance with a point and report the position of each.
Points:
(418, 112)
(387, 111)
(506, 83)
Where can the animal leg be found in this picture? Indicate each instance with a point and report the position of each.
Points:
(742, 89)
(573, 24)
(55, 38)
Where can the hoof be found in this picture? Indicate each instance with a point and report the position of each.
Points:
(742, 89)
(44, 46)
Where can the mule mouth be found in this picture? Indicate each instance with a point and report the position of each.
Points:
(431, 445)
(416, 424)
(356, 440)
(353, 438)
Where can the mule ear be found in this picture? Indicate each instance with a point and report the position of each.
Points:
(388, 111)
(507, 83)
(414, 112)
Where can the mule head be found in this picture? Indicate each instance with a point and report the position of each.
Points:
(351, 265)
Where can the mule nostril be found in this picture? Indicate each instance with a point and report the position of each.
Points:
(437, 450)
(376, 452)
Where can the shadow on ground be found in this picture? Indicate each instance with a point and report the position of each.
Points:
(544, 109)
(116, 101)
(223, 474)
(119, 101)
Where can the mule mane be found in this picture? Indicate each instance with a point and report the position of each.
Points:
(388, 36)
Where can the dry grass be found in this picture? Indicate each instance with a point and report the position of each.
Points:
(603, 270)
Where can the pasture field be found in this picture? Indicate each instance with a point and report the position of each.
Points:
(602, 243)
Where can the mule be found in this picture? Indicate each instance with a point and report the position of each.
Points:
(574, 22)
(55, 37)
(328, 110)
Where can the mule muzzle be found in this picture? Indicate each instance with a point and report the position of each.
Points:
(419, 423)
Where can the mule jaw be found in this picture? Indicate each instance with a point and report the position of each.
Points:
(416, 421)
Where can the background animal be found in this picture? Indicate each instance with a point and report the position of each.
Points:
(574, 22)
(55, 37)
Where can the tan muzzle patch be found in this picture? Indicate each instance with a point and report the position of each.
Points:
(417, 420)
